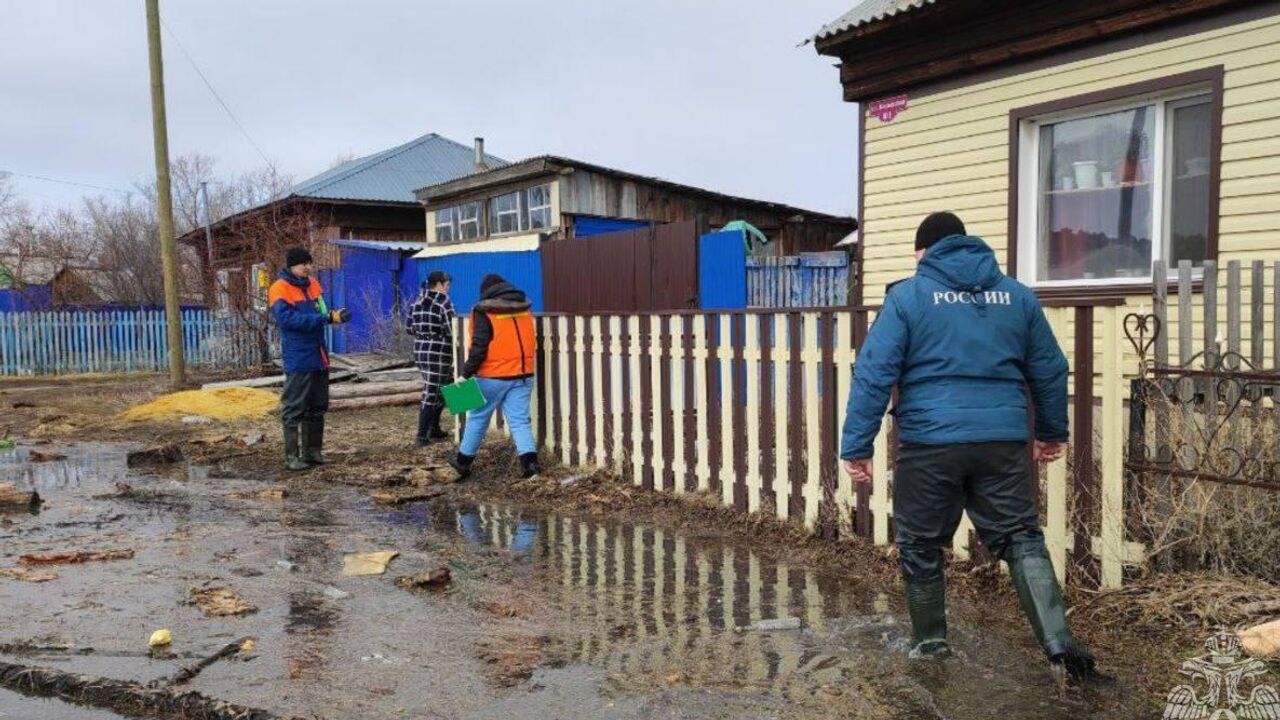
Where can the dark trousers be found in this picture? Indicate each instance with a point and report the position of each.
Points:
(933, 484)
(305, 397)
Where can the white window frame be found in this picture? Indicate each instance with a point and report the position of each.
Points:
(1029, 181)
(496, 215)
(450, 224)
(462, 221)
(530, 209)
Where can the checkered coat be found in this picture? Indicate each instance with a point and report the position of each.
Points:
(430, 322)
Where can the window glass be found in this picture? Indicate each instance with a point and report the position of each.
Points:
(445, 229)
(468, 220)
(1096, 188)
(504, 213)
(1188, 173)
(538, 202)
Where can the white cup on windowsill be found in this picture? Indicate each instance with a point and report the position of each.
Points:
(1108, 179)
(1086, 172)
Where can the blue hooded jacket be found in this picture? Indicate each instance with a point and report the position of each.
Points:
(963, 343)
(299, 310)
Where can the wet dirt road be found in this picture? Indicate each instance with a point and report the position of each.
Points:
(547, 616)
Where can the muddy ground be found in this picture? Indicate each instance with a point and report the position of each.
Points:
(571, 595)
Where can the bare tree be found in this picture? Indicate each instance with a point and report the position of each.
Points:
(268, 232)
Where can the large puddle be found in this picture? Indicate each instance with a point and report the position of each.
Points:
(547, 615)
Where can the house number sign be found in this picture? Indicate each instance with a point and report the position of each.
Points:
(886, 109)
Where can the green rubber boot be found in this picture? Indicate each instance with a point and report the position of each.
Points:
(1041, 600)
(292, 453)
(927, 606)
(313, 441)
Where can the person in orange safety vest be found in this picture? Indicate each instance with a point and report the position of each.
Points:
(501, 359)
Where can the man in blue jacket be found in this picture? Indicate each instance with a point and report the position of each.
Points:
(967, 348)
(299, 309)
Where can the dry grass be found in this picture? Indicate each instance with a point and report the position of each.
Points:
(1198, 602)
(1197, 523)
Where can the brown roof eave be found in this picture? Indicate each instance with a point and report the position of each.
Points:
(550, 164)
(197, 235)
(514, 172)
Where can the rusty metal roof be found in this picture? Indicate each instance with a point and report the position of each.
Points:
(867, 12)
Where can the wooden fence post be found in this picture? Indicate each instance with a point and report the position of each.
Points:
(724, 354)
(751, 357)
(1113, 506)
(1055, 514)
(812, 357)
(781, 357)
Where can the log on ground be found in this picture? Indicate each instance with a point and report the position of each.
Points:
(376, 401)
(372, 389)
(14, 498)
(122, 696)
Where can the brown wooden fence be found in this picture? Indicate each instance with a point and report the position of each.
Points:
(748, 406)
(647, 269)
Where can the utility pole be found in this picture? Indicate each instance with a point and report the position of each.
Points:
(164, 199)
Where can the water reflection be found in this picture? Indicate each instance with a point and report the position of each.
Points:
(83, 465)
(650, 603)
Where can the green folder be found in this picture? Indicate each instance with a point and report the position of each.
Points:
(462, 397)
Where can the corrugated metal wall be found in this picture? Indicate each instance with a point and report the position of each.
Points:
(722, 270)
(28, 299)
(523, 269)
(588, 225)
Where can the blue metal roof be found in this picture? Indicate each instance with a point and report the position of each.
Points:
(392, 175)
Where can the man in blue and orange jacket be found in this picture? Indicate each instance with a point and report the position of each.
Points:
(300, 311)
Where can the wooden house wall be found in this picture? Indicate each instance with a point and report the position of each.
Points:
(950, 149)
(583, 192)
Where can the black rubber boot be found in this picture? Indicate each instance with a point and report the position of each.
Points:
(313, 441)
(462, 464)
(423, 438)
(1041, 600)
(435, 433)
(927, 606)
(292, 453)
(529, 465)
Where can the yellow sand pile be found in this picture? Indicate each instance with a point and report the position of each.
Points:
(220, 404)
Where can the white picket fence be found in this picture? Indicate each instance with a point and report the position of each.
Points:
(748, 406)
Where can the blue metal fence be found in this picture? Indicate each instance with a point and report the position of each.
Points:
(40, 343)
(522, 269)
(722, 270)
(807, 280)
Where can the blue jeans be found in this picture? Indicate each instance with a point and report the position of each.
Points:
(513, 397)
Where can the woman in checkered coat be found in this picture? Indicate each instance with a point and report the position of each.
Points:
(430, 322)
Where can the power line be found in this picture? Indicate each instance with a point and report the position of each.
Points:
(215, 94)
(4, 173)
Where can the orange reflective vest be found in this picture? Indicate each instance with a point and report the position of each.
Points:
(511, 349)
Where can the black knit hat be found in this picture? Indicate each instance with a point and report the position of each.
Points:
(297, 256)
(937, 226)
(489, 281)
(436, 277)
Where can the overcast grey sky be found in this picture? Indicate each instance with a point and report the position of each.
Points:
(713, 93)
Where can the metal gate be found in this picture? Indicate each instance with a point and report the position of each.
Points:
(648, 269)
(1204, 409)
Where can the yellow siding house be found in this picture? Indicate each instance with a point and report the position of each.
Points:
(1084, 140)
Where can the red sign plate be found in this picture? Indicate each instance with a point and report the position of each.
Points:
(886, 109)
